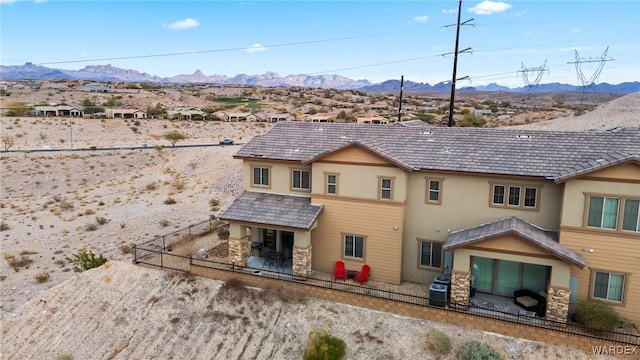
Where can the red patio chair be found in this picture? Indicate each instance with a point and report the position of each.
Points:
(339, 272)
(361, 276)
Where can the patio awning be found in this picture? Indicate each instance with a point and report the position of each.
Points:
(273, 209)
(541, 238)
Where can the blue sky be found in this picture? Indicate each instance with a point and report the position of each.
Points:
(373, 40)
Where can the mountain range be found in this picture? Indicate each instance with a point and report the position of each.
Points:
(108, 73)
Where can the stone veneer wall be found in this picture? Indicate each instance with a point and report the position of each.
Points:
(460, 283)
(239, 251)
(302, 261)
(558, 304)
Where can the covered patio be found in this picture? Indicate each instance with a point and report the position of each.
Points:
(272, 230)
(513, 258)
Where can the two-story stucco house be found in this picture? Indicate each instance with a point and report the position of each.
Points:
(497, 209)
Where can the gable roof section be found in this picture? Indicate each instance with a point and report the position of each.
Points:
(366, 148)
(598, 163)
(544, 239)
(536, 153)
(272, 209)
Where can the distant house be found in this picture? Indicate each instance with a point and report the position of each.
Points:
(238, 116)
(482, 112)
(272, 118)
(95, 88)
(320, 118)
(126, 112)
(59, 110)
(185, 113)
(372, 120)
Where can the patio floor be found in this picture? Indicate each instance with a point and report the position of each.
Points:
(256, 265)
(501, 305)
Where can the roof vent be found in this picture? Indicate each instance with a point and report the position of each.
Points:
(426, 132)
(522, 136)
(319, 129)
(296, 150)
(601, 160)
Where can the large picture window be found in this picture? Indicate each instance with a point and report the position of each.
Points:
(608, 286)
(430, 254)
(354, 246)
(603, 212)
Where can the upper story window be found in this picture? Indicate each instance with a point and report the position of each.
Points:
(332, 184)
(354, 246)
(300, 179)
(434, 191)
(261, 176)
(385, 188)
(515, 196)
(604, 212)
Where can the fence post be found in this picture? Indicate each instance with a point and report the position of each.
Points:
(135, 254)
(164, 244)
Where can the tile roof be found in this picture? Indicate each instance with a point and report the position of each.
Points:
(539, 153)
(273, 209)
(545, 239)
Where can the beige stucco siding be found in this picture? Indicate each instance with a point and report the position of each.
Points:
(355, 155)
(376, 221)
(465, 203)
(611, 253)
(629, 172)
(573, 208)
(359, 181)
(511, 244)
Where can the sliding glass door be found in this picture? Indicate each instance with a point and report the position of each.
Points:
(503, 277)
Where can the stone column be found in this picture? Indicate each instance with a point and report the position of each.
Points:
(239, 251)
(302, 261)
(558, 304)
(460, 283)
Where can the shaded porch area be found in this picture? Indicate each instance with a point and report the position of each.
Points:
(508, 259)
(272, 231)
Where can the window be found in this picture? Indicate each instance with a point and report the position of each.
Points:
(385, 188)
(631, 215)
(261, 176)
(434, 191)
(603, 212)
(354, 246)
(332, 184)
(430, 254)
(300, 180)
(608, 286)
(514, 195)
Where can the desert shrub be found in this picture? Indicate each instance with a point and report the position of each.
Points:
(64, 357)
(475, 350)
(65, 205)
(101, 220)
(322, 346)
(23, 261)
(85, 260)
(125, 248)
(89, 212)
(170, 201)
(91, 227)
(164, 222)
(471, 120)
(42, 276)
(437, 343)
(597, 315)
(4, 226)
(151, 186)
(223, 234)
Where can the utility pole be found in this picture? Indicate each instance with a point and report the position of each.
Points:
(455, 63)
(591, 81)
(400, 105)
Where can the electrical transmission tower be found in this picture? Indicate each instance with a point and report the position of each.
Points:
(536, 75)
(578, 61)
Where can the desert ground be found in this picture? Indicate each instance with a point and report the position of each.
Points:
(55, 202)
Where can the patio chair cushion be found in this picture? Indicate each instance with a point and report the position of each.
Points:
(527, 301)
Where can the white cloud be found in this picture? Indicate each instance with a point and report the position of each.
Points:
(7, 1)
(255, 48)
(449, 11)
(183, 24)
(422, 18)
(529, 33)
(575, 30)
(489, 7)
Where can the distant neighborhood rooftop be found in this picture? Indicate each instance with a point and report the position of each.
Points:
(556, 155)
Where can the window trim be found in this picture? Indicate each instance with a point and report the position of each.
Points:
(592, 286)
(380, 189)
(292, 171)
(253, 184)
(427, 198)
(621, 207)
(326, 182)
(419, 252)
(624, 208)
(521, 195)
(344, 243)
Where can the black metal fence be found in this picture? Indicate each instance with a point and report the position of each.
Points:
(156, 252)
